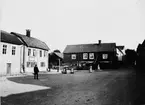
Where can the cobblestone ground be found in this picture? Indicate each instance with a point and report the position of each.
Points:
(81, 88)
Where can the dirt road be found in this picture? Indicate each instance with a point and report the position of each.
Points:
(81, 88)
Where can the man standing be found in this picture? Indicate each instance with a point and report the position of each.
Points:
(36, 70)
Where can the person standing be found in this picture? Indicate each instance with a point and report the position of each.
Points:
(36, 70)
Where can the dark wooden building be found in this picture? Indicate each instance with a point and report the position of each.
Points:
(91, 54)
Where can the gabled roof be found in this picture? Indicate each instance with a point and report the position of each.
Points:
(60, 55)
(10, 38)
(143, 43)
(31, 42)
(120, 47)
(103, 47)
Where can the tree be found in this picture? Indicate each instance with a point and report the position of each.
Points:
(131, 56)
(57, 51)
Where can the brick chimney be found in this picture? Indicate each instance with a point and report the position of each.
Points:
(28, 32)
(99, 42)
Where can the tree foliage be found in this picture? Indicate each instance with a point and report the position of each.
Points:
(57, 51)
(131, 56)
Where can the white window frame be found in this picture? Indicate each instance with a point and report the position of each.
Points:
(40, 53)
(45, 53)
(31, 64)
(29, 52)
(34, 52)
(73, 56)
(13, 50)
(4, 51)
(85, 55)
(104, 56)
(42, 64)
(91, 56)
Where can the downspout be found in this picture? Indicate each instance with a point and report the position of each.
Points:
(23, 65)
(48, 61)
(21, 59)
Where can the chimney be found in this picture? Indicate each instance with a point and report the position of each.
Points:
(28, 32)
(99, 42)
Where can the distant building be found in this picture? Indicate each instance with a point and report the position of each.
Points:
(33, 52)
(92, 54)
(10, 53)
(55, 59)
(141, 55)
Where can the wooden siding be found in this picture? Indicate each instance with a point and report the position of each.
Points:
(79, 57)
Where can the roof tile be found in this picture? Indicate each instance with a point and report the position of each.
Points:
(32, 42)
(103, 47)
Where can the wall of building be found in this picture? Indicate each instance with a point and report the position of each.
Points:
(8, 58)
(31, 60)
(79, 56)
(99, 56)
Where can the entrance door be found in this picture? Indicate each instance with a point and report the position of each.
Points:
(8, 68)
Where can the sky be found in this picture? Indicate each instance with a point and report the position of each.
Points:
(63, 22)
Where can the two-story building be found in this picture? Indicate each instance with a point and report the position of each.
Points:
(34, 51)
(10, 53)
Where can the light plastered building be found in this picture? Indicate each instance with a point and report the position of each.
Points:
(28, 52)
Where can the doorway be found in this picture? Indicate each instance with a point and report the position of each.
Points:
(8, 68)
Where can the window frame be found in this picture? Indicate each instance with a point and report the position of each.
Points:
(4, 51)
(13, 50)
(73, 56)
(34, 52)
(42, 64)
(29, 52)
(91, 56)
(85, 56)
(104, 56)
(40, 53)
(45, 53)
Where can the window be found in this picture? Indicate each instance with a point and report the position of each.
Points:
(73, 56)
(45, 53)
(28, 64)
(105, 56)
(34, 52)
(40, 53)
(29, 52)
(91, 56)
(31, 64)
(85, 55)
(13, 50)
(42, 64)
(4, 49)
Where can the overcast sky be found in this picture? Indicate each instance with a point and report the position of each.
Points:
(63, 22)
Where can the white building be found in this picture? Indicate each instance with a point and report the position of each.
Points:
(120, 53)
(33, 52)
(10, 47)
